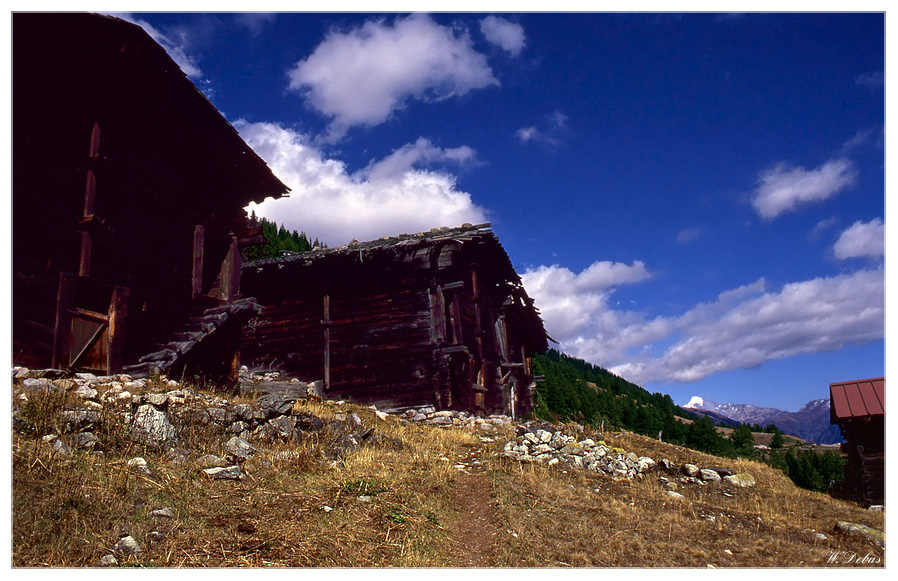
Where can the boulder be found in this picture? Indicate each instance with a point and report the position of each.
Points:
(282, 427)
(225, 473)
(108, 561)
(151, 427)
(127, 546)
(741, 480)
(709, 475)
(690, 470)
(162, 513)
(237, 449)
(872, 535)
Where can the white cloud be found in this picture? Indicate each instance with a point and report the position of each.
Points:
(688, 235)
(360, 77)
(407, 157)
(743, 327)
(575, 306)
(554, 126)
(821, 227)
(254, 22)
(862, 239)
(526, 134)
(389, 197)
(781, 189)
(508, 36)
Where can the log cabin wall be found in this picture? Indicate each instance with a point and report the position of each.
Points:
(412, 320)
(117, 160)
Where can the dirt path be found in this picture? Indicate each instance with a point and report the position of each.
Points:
(474, 526)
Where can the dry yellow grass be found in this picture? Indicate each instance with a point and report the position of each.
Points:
(306, 511)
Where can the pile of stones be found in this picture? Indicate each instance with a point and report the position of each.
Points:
(544, 444)
(163, 411)
(428, 415)
(549, 448)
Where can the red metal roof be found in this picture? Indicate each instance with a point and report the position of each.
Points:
(857, 399)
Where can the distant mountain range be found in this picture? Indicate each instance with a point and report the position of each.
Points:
(810, 423)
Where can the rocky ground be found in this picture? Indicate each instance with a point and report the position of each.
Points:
(161, 414)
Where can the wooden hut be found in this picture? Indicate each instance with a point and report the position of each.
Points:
(858, 408)
(437, 318)
(128, 196)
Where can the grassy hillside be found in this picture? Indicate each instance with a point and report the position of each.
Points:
(443, 498)
(574, 390)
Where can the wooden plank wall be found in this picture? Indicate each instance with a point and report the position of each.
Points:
(379, 345)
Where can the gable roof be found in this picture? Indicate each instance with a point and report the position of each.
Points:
(76, 68)
(392, 244)
(398, 252)
(857, 399)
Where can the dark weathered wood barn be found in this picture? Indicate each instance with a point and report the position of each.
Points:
(437, 318)
(858, 408)
(128, 196)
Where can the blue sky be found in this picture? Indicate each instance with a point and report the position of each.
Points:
(695, 201)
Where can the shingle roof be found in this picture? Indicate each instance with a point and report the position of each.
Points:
(857, 399)
(463, 233)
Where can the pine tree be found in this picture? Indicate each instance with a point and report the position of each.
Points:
(778, 441)
(742, 438)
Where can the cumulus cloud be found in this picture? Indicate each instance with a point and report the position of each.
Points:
(741, 328)
(508, 36)
(391, 196)
(821, 227)
(413, 155)
(781, 189)
(362, 76)
(575, 305)
(688, 235)
(550, 133)
(254, 22)
(862, 239)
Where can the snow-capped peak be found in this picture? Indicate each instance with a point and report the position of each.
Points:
(696, 402)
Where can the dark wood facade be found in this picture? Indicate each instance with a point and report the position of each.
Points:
(858, 408)
(128, 194)
(435, 318)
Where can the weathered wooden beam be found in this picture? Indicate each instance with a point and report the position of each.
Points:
(437, 316)
(62, 332)
(89, 315)
(90, 193)
(230, 272)
(115, 338)
(84, 260)
(327, 343)
(198, 250)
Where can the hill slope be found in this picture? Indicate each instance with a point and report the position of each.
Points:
(435, 494)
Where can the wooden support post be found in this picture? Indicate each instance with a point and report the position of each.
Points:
(478, 323)
(437, 316)
(115, 338)
(236, 264)
(230, 272)
(327, 343)
(90, 193)
(198, 250)
(84, 262)
(62, 333)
